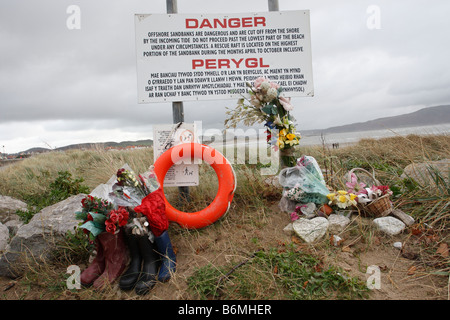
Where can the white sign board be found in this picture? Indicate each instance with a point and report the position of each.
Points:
(167, 136)
(183, 57)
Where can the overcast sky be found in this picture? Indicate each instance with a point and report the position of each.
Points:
(60, 86)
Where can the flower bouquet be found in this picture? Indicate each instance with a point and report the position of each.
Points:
(116, 219)
(102, 222)
(376, 201)
(142, 193)
(373, 201)
(94, 213)
(265, 103)
(342, 199)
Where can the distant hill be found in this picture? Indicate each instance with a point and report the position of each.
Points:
(102, 145)
(123, 144)
(423, 117)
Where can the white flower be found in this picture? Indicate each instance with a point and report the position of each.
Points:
(271, 94)
(264, 86)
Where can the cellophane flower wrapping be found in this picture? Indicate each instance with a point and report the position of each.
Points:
(304, 182)
(143, 194)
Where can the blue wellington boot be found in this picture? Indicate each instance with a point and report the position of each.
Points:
(168, 258)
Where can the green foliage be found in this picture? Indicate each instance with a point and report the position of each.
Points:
(300, 276)
(304, 276)
(74, 248)
(204, 281)
(60, 189)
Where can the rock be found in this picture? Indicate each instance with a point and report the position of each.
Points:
(425, 173)
(8, 208)
(39, 236)
(13, 226)
(310, 230)
(389, 225)
(4, 237)
(405, 218)
(337, 223)
(398, 245)
(289, 229)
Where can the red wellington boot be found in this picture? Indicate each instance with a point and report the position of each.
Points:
(96, 268)
(116, 258)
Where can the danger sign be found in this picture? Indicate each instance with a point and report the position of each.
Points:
(183, 57)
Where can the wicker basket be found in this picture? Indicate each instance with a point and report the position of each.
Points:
(378, 208)
(382, 206)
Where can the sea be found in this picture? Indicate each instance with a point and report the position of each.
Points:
(341, 139)
(345, 138)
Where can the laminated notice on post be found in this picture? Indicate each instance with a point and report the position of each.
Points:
(183, 57)
(168, 136)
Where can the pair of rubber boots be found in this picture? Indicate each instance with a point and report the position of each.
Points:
(109, 263)
(150, 262)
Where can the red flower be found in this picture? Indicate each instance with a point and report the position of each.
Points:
(123, 215)
(113, 217)
(116, 218)
(87, 198)
(110, 226)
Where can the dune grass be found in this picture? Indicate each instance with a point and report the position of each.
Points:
(246, 228)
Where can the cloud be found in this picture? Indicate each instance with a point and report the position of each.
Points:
(68, 85)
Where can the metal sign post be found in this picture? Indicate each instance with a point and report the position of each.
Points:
(177, 106)
(273, 5)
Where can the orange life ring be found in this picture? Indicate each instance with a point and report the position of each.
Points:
(225, 175)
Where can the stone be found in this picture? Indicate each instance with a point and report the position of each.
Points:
(389, 225)
(289, 229)
(337, 223)
(13, 226)
(405, 218)
(8, 208)
(425, 173)
(38, 237)
(310, 230)
(398, 245)
(4, 237)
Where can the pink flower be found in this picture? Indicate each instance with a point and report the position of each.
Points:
(258, 82)
(274, 85)
(355, 187)
(294, 216)
(286, 103)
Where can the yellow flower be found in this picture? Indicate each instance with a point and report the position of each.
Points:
(282, 133)
(280, 143)
(290, 136)
(331, 196)
(342, 192)
(353, 196)
(342, 199)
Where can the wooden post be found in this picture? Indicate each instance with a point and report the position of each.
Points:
(177, 106)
